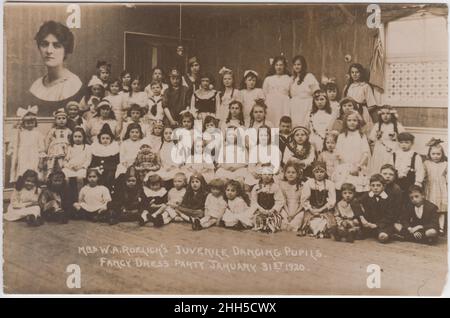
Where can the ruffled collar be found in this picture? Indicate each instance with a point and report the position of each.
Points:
(100, 150)
(150, 193)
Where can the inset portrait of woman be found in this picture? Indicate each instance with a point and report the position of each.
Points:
(59, 85)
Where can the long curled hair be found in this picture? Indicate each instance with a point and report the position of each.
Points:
(394, 120)
(239, 190)
(241, 112)
(300, 178)
(363, 77)
(315, 109)
(258, 103)
(303, 71)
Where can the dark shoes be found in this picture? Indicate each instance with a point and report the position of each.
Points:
(34, 220)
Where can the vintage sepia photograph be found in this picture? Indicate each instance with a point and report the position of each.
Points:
(225, 148)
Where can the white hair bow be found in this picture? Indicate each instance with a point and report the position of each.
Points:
(21, 112)
(327, 80)
(224, 71)
(250, 71)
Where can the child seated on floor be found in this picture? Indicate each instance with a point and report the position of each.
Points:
(193, 203)
(128, 198)
(378, 216)
(93, 199)
(215, 206)
(393, 191)
(318, 200)
(346, 213)
(24, 200)
(54, 200)
(156, 199)
(421, 219)
(174, 199)
(236, 213)
(267, 202)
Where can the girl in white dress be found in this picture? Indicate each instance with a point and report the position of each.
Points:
(302, 87)
(332, 94)
(436, 179)
(250, 92)
(136, 95)
(291, 187)
(26, 148)
(258, 115)
(384, 138)
(129, 147)
(235, 116)
(353, 153)
(359, 89)
(320, 119)
(78, 157)
(227, 94)
(116, 99)
(24, 200)
(276, 89)
(169, 166)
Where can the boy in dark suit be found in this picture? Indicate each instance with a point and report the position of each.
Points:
(285, 130)
(420, 219)
(378, 216)
(394, 191)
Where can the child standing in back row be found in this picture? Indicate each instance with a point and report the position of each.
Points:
(436, 179)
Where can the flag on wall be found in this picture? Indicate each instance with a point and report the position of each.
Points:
(377, 62)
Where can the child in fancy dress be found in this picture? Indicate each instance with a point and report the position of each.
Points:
(267, 201)
(156, 201)
(57, 141)
(105, 156)
(318, 200)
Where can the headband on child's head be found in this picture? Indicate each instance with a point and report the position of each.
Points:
(158, 123)
(30, 110)
(247, 72)
(103, 103)
(59, 112)
(319, 166)
(302, 128)
(328, 80)
(193, 60)
(392, 111)
(72, 103)
(224, 71)
(95, 81)
(434, 142)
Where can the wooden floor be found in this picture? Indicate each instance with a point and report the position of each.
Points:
(35, 261)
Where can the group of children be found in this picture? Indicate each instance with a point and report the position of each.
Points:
(348, 170)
